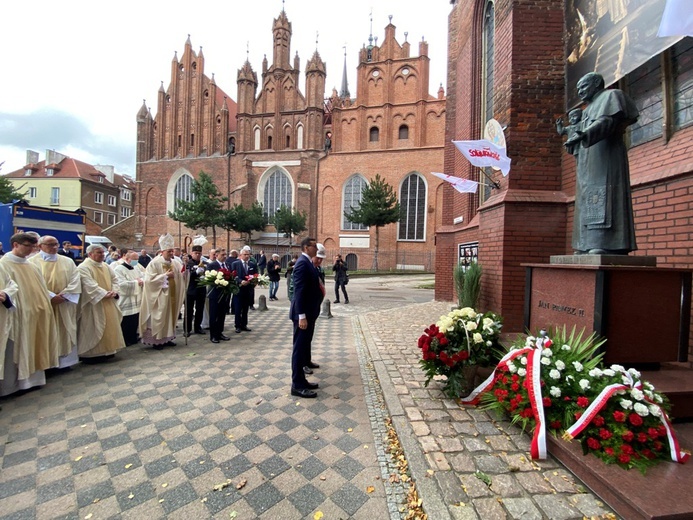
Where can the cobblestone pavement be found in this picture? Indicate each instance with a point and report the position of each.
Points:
(153, 433)
(447, 445)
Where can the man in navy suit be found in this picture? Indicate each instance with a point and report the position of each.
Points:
(244, 299)
(218, 303)
(305, 309)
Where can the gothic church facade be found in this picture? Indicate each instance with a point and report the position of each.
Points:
(269, 146)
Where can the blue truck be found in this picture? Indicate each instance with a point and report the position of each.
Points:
(63, 225)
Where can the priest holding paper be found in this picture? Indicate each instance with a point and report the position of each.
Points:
(98, 328)
(65, 286)
(165, 284)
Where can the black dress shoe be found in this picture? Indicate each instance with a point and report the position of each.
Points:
(158, 347)
(307, 370)
(312, 386)
(238, 331)
(313, 365)
(214, 340)
(169, 344)
(303, 392)
(247, 329)
(199, 331)
(224, 338)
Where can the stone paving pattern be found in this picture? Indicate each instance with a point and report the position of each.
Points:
(456, 441)
(150, 434)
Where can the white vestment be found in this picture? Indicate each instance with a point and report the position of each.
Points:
(98, 329)
(162, 300)
(62, 277)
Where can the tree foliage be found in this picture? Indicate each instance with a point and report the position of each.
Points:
(378, 207)
(205, 207)
(8, 192)
(289, 222)
(243, 220)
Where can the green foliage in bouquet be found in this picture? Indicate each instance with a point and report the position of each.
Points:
(459, 339)
(628, 427)
(565, 360)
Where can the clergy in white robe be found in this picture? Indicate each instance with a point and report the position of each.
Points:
(130, 276)
(29, 338)
(98, 327)
(165, 283)
(65, 286)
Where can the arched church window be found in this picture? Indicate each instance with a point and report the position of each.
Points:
(277, 192)
(299, 137)
(257, 139)
(412, 201)
(403, 132)
(183, 190)
(374, 134)
(487, 64)
(353, 193)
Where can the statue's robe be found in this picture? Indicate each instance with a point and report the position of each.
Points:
(603, 206)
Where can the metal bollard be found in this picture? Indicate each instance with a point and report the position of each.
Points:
(326, 311)
(262, 303)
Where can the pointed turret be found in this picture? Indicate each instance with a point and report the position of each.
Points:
(142, 113)
(281, 29)
(344, 92)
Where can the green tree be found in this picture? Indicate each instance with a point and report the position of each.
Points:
(243, 220)
(8, 192)
(289, 222)
(378, 207)
(205, 207)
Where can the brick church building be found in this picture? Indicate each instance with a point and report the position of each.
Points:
(269, 145)
(519, 62)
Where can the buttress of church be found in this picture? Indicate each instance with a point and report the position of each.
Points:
(270, 146)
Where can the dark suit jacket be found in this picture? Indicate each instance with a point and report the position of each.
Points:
(214, 293)
(245, 293)
(307, 293)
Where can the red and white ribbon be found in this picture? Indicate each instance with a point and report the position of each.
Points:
(474, 397)
(677, 455)
(533, 382)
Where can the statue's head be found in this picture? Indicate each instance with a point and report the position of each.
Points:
(589, 85)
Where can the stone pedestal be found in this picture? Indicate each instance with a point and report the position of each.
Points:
(644, 312)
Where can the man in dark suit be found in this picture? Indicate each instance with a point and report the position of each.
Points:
(66, 250)
(218, 303)
(244, 299)
(196, 294)
(305, 309)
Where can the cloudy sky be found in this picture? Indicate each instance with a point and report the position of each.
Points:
(78, 70)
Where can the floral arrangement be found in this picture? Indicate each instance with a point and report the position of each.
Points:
(258, 280)
(561, 386)
(460, 339)
(223, 279)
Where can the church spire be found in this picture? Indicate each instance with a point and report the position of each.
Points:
(344, 92)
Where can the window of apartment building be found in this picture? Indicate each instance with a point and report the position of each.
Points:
(126, 195)
(32, 193)
(374, 134)
(98, 197)
(353, 192)
(662, 89)
(403, 132)
(111, 200)
(111, 219)
(487, 64)
(125, 212)
(55, 196)
(98, 217)
(412, 201)
(50, 172)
